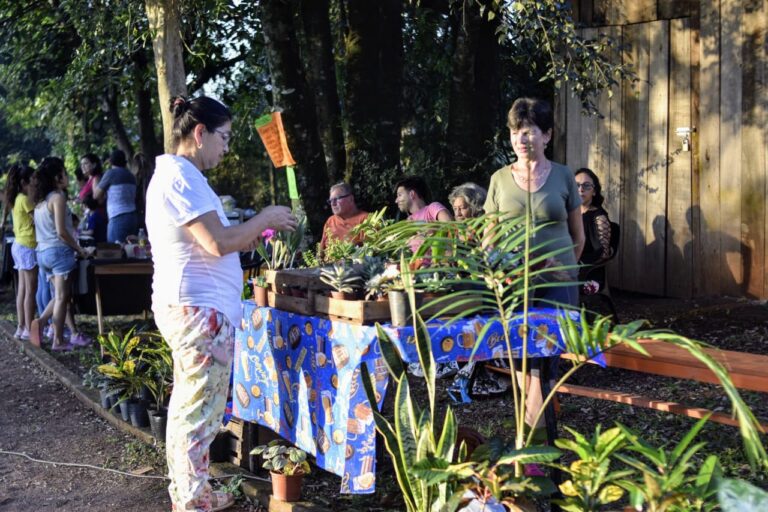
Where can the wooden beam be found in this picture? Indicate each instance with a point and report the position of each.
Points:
(650, 403)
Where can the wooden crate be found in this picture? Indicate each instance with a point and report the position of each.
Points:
(302, 278)
(354, 311)
(301, 305)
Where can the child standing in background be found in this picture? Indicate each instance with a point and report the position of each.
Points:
(24, 244)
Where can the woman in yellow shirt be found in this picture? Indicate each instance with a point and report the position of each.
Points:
(24, 243)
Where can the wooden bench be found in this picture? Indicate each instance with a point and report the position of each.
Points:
(747, 371)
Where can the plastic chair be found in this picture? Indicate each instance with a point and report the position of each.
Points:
(604, 293)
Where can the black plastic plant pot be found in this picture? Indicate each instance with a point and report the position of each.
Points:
(138, 413)
(124, 412)
(158, 422)
(106, 399)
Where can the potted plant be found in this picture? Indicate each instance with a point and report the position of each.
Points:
(287, 466)
(160, 362)
(342, 279)
(94, 379)
(124, 354)
(260, 290)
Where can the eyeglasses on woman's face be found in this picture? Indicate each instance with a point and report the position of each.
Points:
(226, 137)
(336, 199)
(586, 185)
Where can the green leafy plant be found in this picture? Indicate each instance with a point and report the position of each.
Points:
(337, 250)
(260, 281)
(668, 481)
(286, 460)
(368, 232)
(312, 258)
(233, 486)
(94, 379)
(413, 436)
(592, 483)
(340, 277)
(490, 473)
(496, 275)
(159, 358)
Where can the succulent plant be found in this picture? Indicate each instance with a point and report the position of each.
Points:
(340, 277)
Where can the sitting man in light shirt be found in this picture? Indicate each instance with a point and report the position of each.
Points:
(411, 196)
(346, 214)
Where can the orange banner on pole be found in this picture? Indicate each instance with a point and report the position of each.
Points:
(270, 128)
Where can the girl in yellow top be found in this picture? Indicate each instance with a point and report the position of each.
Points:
(23, 248)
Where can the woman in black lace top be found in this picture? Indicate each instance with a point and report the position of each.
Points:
(597, 226)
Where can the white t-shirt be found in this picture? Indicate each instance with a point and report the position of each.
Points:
(185, 273)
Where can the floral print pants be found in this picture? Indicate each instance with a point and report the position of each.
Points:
(202, 341)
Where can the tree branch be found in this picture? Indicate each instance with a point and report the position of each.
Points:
(211, 70)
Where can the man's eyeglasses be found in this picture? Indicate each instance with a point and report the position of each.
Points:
(336, 199)
(585, 186)
(226, 137)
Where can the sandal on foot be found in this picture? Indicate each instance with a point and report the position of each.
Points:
(36, 333)
(80, 340)
(221, 500)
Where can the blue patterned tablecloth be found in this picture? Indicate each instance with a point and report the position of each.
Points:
(300, 376)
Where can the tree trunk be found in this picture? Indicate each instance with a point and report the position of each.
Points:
(321, 75)
(149, 144)
(165, 23)
(118, 128)
(290, 94)
(474, 95)
(390, 80)
(361, 98)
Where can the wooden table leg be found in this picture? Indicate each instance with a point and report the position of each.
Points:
(550, 418)
(99, 319)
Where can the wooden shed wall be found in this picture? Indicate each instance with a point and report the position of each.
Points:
(693, 223)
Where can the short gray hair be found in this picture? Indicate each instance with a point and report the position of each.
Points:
(344, 186)
(473, 194)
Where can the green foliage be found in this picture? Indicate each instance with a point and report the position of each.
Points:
(338, 250)
(668, 481)
(158, 357)
(412, 438)
(543, 30)
(286, 460)
(490, 472)
(340, 277)
(285, 246)
(592, 484)
(233, 486)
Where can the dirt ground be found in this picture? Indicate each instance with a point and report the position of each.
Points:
(44, 420)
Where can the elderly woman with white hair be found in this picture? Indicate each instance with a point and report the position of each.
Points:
(467, 200)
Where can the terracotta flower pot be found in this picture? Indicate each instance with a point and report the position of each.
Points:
(260, 296)
(286, 487)
(342, 295)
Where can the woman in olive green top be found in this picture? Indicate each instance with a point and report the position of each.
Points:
(554, 199)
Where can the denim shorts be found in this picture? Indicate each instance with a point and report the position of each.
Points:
(24, 258)
(56, 261)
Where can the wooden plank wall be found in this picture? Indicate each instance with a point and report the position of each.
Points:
(702, 213)
(680, 250)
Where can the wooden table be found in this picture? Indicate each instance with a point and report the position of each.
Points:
(116, 268)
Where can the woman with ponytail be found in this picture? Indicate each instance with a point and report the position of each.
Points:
(196, 289)
(24, 243)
